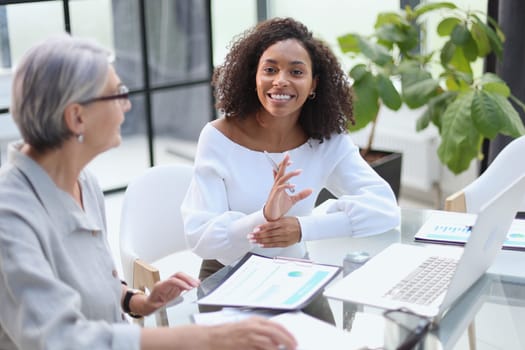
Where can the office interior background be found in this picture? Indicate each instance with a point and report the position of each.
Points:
(165, 51)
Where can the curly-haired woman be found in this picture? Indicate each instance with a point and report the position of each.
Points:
(283, 95)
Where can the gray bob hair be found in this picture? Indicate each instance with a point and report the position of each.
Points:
(51, 75)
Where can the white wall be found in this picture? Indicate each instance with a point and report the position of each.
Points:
(229, 19)
(328, 19)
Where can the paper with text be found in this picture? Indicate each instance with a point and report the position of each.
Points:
(455, 228)
(273, 283)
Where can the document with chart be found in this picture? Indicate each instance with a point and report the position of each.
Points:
(272, 283)
(454, 228)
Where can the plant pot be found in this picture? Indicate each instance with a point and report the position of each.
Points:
(387, 165)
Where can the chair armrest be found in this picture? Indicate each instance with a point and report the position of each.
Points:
(456, 202)
(144, 275)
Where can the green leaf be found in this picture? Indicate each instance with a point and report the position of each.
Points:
(460, 62)
(497, 88)
(447, 52)
(437, 105)
(424, 120)
(494, 24)
(408, 65)
(490, 78)
(446, 26)
(493, 114)
(421, 9)
(411, 72)
(460, 35)
(376, 53)
(388, 93)
(481, 39)
(500, 34)
(452, 83)
(390, 33)
(460, 140)
(493, 83)
(411, 39)
(348, 43)
(388, 18)
(496, 43)
(418, 87)
(366, 101)
(486, 114)
(359, 72)
(517, 102)
(457, 81)
(513, 124)
(418, 94)
(387, 44)
(470, 49)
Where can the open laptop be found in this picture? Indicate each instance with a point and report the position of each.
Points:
(375, 282)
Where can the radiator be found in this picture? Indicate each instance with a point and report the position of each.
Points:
(396, 131)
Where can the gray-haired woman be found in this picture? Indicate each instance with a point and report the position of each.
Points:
(59, 288)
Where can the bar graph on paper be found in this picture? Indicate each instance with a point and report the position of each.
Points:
(454, 228)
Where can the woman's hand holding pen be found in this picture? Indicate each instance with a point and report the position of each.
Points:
(280, 233)
(279, 200)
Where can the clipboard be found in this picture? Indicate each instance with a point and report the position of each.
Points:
(279, 283)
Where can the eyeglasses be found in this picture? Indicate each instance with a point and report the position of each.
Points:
(122, 96)
(413, 325)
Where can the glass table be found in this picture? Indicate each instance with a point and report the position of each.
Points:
(495, 303)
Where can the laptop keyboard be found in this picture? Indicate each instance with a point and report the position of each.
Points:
(424, 284)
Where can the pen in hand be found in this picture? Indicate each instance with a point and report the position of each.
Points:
(275, 167)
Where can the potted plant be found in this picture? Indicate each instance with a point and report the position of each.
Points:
(465, 108)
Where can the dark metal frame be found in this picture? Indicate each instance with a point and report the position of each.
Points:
(147, 90)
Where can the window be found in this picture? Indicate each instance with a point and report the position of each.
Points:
(162, 53)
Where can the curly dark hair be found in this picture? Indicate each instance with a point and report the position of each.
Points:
(234, 80)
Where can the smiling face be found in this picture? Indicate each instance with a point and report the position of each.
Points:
(284, 78)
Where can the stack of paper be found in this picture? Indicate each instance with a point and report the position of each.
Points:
(311, 333)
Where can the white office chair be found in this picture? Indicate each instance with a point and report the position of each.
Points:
(504, 169)
(151, 226)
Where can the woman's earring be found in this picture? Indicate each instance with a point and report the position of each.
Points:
(312, 95)
(80, 138)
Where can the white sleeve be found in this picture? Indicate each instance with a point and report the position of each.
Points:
(366, 204)
(212, 229)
